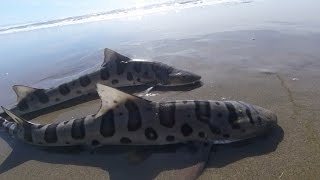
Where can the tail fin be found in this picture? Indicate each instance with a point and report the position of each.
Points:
(15, 118)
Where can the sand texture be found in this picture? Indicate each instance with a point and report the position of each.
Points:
(274, 70)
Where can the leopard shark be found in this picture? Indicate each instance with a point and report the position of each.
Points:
(125, 119)
(116, 71)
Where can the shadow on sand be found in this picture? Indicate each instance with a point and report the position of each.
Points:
(187, 160)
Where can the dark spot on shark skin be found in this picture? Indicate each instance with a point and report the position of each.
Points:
(125, 140)
(217, 103)
(202, 134)
(40, 143)
(27, 132)
(167, 114)
(203, 111)
(23, 105)
(219, 114)
(151, 134)
(41, 95)
(170, 138)
(121, 66)
(129, 76)
(95, 142)
(243, 130)
(137, 67)
(236, 126)
(107, 126)
(233, 116)
(78, 91)
(138, 79)
(84, 80)
(148, 109)
(64, 89)
(163, 72)
(115, 81)
(186, 130)
(205, 144)
(184, 102)
(104, 73)
(146, 74)
(226, 135)
(259, 119)
(214, 129)
(50, 134)
(78, 129)
(248, 112)
(66, 122)
(67, 142)
(134, 116)
(57, 99)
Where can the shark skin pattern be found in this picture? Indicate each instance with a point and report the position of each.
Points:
(116, 71)
(125, 119)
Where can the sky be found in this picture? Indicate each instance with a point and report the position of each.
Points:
(14, 12)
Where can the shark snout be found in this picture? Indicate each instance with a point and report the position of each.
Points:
(180, 77)
(266, 116)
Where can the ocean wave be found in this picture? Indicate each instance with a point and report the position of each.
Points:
(118, 13)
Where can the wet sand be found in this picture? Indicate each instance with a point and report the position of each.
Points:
(275, 70)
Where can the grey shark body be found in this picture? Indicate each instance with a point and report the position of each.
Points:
(116, 71)
(124, 119)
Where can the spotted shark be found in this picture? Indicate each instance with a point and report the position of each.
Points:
(125, 119)
(116, 71)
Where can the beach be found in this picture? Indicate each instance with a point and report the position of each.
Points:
(268, 59)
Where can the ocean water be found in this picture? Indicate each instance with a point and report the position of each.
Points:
(44, 54)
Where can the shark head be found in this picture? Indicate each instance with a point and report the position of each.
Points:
(142, 71)
(163, 74)
(181, 77)
(244, 121)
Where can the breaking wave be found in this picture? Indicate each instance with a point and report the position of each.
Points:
(118, 13)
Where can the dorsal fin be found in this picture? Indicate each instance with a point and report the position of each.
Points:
(112, 56)
(111, 97)
(15, 118)
(23, 91)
